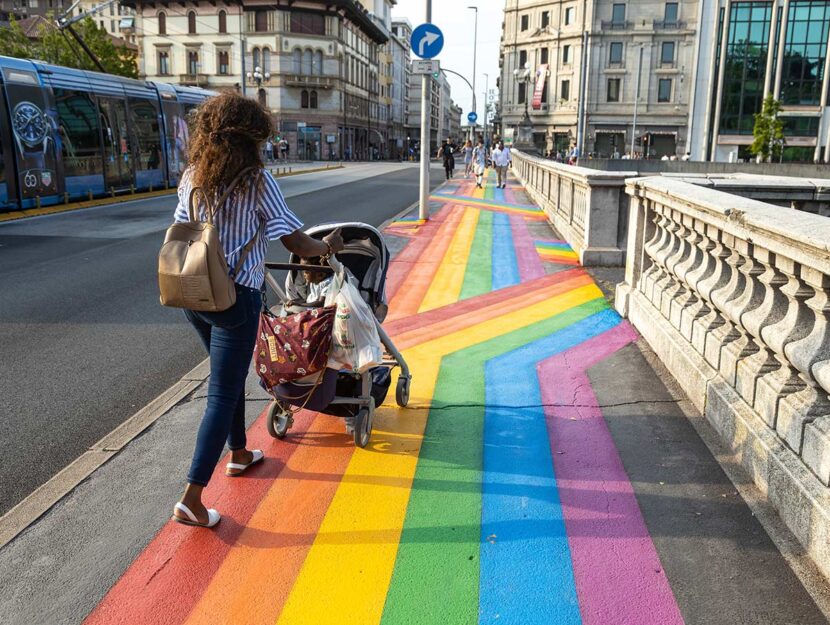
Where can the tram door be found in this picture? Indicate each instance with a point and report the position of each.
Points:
(118, 159)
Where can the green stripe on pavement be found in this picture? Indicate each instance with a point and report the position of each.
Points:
(436, 575)
(478, 278)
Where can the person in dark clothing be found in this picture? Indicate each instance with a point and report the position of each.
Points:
(446, 152)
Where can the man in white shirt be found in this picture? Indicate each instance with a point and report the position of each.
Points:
(501, 161)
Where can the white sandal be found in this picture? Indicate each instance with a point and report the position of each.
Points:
(241, 468)
(213, 516)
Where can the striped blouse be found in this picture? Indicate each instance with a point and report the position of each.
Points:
(240, 218)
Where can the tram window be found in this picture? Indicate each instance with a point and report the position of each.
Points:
(145, 126)
(79, 133)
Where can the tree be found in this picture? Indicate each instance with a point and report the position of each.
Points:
(768, 131)
(14, 42)
(60, 48)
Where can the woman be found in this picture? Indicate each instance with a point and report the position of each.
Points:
(446, 151)
(227, 138)
(468, 158)
(479, 162)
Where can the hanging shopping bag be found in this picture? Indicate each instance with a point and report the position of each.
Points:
(355, 341)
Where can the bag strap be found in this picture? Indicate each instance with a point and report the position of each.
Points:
(244, 253)
(192, 209)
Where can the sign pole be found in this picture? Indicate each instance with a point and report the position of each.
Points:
(423, 205)
(426, 101)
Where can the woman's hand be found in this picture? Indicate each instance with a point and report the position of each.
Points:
(335, 241)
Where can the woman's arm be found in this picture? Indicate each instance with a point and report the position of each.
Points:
(299, 243)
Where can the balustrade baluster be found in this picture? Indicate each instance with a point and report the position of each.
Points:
(719, 276)
(793, 326)
(799, 408)
(681, 250)
(703, 266)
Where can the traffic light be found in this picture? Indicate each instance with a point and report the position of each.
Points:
(638, 141)
(436, 75)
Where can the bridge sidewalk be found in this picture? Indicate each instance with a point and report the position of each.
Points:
(544, 472)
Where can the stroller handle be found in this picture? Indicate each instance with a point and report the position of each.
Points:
(299, 267)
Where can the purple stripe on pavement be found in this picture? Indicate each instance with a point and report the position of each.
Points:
(619, 578)
(530, 265)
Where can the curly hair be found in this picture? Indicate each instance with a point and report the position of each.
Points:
(227, 132)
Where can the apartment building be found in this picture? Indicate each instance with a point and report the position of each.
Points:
(314, 64)
(607, 76)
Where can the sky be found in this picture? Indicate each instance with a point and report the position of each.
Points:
(457, 22)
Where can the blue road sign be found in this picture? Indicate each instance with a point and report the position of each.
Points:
(427, 41)
(472, 116)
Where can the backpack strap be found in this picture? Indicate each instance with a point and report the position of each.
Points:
(193, 211)
(244, 254)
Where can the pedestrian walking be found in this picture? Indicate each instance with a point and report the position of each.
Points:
(479, 162)
(468, 158)
(446, 153)
(225, 147)
(269, 149)
(501, 161)
(284, 149)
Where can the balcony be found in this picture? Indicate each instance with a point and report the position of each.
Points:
(616, 25)
(663, 25)
(194, 80)
(310, 82)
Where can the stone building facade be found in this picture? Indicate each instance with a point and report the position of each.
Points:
(319, 62)
(607, 76)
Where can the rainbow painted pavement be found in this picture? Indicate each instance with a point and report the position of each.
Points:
(497, 496)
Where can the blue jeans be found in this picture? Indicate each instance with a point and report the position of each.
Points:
(229, 337)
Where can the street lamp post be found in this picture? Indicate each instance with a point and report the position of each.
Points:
(475, 46)
(525, 127)
(486, 107)
(258, 76)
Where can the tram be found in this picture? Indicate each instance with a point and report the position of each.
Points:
(69, 134)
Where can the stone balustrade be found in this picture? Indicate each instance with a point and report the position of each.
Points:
(734, 296)
(588, 207)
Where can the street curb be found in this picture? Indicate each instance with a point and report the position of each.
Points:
(122, 199)
(405, 211)
(48, 494)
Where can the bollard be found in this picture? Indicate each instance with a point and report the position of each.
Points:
(37, 201)
(289, 170)
(66, 197)
(165, 184)
(151, 187)
(132, 189)
(89, 194)
(112, 191)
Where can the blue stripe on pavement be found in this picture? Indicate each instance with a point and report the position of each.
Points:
(505, 265)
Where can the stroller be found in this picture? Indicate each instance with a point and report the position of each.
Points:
(344, 394)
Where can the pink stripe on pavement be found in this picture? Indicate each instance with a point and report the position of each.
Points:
(530, 265)
(619, 578)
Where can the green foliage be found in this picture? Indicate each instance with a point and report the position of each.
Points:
(768, 131)
(60, 48)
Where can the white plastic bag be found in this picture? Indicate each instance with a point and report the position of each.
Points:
(355, 341)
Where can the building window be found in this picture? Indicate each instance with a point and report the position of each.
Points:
(745, 61)
(565, 90)
(525, 22)
(164, 64)
(263, 98)
(223, 22)
(543, 56)
(308, 64)
(618, 14)
(566, 55)
(545, 18)
(569, 16)
(615, 53)
(522, 58)
(255, 56)
(308, 23)
(667, 53)
(522, 90)
(804, 53)
(297, 61)
(613, 90)
(162, 23)
(261, 21)
(191, 22)
(670, 14)
(192, 63)
(224, 62)
(304, 99)
(266, 60)
(312, 100)
(664, 90)
(318, 63)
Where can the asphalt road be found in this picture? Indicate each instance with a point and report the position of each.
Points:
(84, 343)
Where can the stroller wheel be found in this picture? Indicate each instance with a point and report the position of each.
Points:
(402, 391)
(278, 420)
(362, 427)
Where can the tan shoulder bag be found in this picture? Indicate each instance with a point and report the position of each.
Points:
(193, 272)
